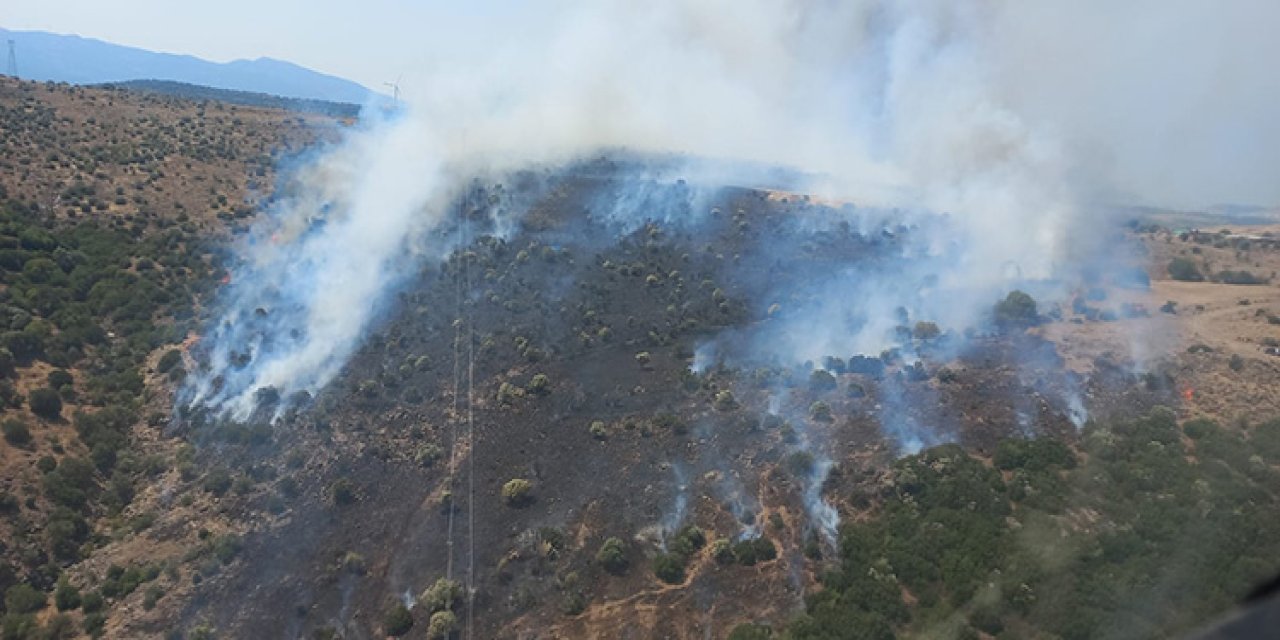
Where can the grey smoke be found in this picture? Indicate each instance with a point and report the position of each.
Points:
(1014, 119)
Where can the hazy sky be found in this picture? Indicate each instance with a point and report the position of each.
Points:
(369, 41)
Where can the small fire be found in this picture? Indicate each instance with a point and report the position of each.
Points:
(1188, 394)
(226, 279)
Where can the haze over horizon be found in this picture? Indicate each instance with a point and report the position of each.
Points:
(1214, 98)
(372, 43)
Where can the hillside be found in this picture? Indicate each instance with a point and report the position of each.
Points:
(55, 57)
(245, 98)
(539, 413)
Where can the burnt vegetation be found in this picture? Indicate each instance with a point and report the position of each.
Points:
(606, 469)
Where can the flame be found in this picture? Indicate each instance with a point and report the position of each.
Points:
(1188, 394)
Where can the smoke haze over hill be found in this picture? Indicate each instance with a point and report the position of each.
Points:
(909, 108)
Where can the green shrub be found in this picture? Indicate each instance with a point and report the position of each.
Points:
(722, 551)
(752, 550)
(66, 597)
(94, 624)
(92, 602)
(748, 631)
(1239, 277)
(821, 380)
(539, 385)
(23, 598)
(59, 378)
(342, 492)
(444, 595)
(669, 567)
(925, 331)
(397, 621)
(1017, 309)
(441, 625)
(820, 411)
(217, 481)
(516, 492)
(46, 403)
(598, 430)
(724, 400)
(1185, 270)
(612, 556)
(16, 432)
(169, 360)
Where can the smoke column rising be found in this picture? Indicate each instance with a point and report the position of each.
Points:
(979, 109)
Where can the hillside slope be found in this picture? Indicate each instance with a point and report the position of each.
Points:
(540, 387)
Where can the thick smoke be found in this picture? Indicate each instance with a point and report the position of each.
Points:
(1011, 119)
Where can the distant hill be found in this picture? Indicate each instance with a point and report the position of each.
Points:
(247, 98)
(67, 58)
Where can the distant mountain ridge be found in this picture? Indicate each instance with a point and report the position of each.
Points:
(68, 58)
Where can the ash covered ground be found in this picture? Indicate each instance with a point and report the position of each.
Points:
(649, 355)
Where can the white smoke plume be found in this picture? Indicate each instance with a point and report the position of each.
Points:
(1015, 118)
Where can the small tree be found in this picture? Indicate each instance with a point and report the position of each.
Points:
(669, 567)
(1017, 309)
(598, 430)
(612, 556)
(539, 385)
(59, 378)
(22, 598)
(16, 432)
(66, 596)
(1185, 270)
(820, 411)
(342, 492)
(516, 492)
(169, 360)
(821, 380)
(441, 625)
(722, 551)
(724, 401)
(398, 621)
(444, 595)
(925, 331)
(46, 403)
(508, 392)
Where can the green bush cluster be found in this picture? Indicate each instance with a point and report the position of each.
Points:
(1178, 532)
(670, 565)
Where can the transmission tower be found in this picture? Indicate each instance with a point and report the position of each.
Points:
(12, 68)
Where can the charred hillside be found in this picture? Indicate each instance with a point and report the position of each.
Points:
(546, 392)
(614, 398)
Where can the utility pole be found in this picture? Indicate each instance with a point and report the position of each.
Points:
(395, 89)
(12, 69)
